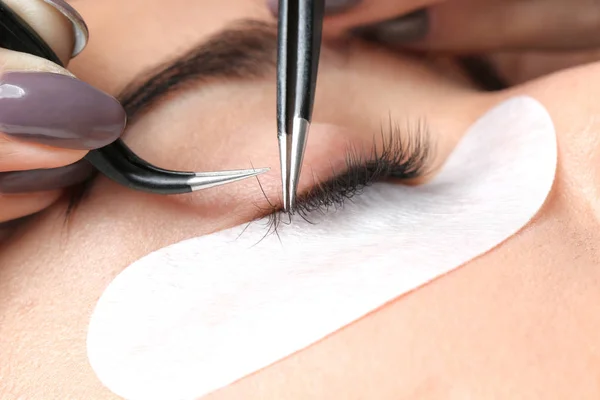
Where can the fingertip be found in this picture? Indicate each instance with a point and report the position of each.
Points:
(58, 111)
(80, 29)
(51, 26)
(16, 155)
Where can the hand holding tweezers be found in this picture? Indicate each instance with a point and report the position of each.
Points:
(299, 46)
(116, 161)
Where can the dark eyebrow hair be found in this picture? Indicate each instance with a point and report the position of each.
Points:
(243, 50)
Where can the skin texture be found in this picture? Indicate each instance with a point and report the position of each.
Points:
(519, 322)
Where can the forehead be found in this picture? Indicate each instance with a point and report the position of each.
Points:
(128, 37)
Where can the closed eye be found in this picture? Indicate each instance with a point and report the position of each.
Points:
(405, 154)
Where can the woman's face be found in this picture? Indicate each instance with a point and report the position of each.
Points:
(526, 310)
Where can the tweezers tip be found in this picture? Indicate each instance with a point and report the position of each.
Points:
(260, 171)
(289, 206)
(294, 157)
(205, 180)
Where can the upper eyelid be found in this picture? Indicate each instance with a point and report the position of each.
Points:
(406, 152)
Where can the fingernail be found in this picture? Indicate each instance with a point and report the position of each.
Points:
(58, 110)
(331, 6)
(79, 26)
(404, 29)
(41, 180)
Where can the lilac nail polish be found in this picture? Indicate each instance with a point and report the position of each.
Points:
(79, 26)
(41, 180)
(58, 110)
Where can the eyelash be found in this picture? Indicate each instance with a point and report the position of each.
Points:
(404, 154)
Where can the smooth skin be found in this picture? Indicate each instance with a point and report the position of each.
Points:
(520, 322)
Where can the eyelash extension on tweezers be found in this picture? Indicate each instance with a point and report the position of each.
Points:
(405, 154)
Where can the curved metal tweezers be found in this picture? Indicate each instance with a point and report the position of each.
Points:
(122, 165)
(116, 161)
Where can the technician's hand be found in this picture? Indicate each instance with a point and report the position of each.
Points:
(541, 35)
(48, 118)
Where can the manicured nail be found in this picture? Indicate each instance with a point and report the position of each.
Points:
(41, 180)
(79, 26)
(404, 29)
(331, 6)
(58, 110)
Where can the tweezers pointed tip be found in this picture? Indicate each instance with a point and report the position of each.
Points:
(205, 180)
(295, 165)
(289, 177)
(288, 198)
(295, 159)
(284, 163)
(258, 171)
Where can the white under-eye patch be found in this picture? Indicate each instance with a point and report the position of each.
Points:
(201, 314)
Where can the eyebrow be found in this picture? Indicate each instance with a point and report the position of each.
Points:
(247, 49)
